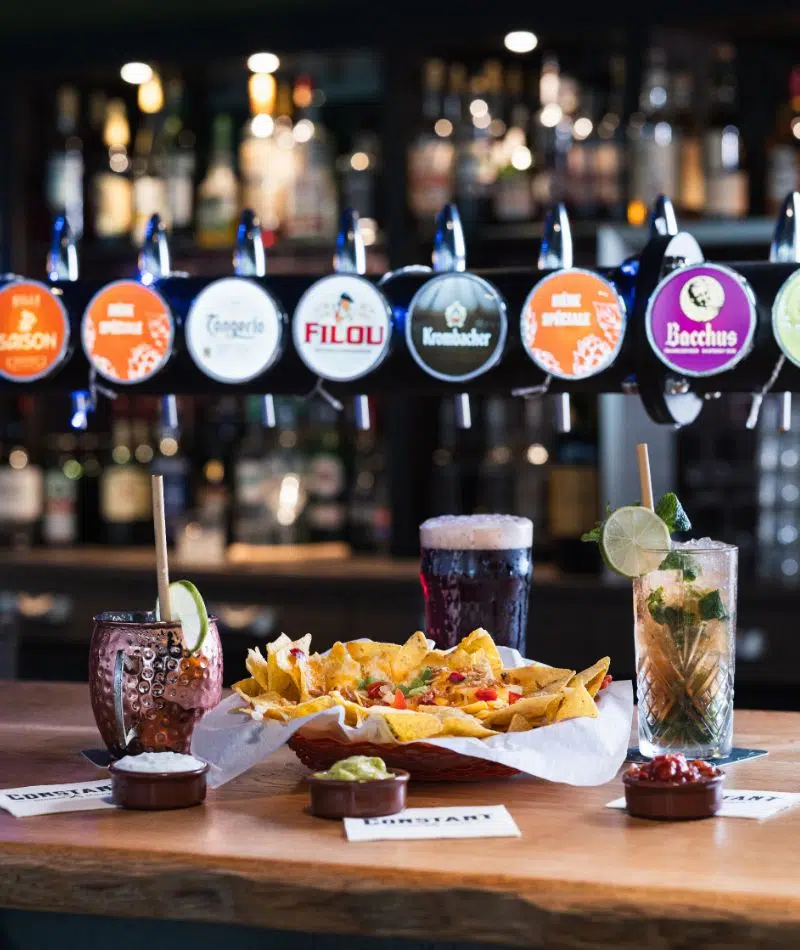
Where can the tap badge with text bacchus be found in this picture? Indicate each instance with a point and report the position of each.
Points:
(701, 319)
(234, 330)
(573, 324)
(127, 332)
(456, 327)
(34, 331)
(341, 327)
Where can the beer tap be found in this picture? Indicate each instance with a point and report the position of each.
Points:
(450, 255)
(784, 249)
(62, 266)
(351, 258)
(250, 260)
(154, 264)
(556, 253)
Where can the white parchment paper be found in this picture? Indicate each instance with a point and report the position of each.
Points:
(575, 752)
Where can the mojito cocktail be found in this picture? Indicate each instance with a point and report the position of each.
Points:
(685, 630)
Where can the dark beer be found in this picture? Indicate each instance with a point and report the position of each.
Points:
(476, 572)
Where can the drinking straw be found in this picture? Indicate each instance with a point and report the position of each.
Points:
(162, 565)
(644, 475)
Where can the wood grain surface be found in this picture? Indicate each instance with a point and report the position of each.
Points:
(581, 876)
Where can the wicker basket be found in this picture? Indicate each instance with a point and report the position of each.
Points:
(425, 762)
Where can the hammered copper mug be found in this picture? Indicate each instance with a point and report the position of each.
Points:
(147, 689)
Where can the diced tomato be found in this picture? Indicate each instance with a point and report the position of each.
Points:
(607, 681)
(399, 700)
(486, 694)
(374, 689)
(456, 677)
(297, 653)
(513, 698)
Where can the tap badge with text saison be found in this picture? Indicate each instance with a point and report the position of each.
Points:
(34, 331)
(786, 318)
(456, 326)
(341, 327)
(701, 319)
(127, 332)
(234, 330)
(573, 324)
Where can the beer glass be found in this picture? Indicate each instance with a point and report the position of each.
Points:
(147, 690)
(476, 572)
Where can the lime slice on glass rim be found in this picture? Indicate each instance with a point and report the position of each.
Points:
(189, 609)
(634, 540)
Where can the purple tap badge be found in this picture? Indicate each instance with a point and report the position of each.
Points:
(701, 319)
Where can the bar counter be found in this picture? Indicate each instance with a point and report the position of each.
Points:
(581, 876)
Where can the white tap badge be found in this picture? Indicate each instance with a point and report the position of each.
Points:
(233, 330)
(341, 327)
(456, 327)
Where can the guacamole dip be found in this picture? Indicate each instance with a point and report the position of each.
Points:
(358, 768)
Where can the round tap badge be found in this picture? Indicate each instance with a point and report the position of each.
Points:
(701, 319)
(573, 323)
(456, 327)
(341, 327)
(786, 318)
(34, 331)
(234, 330)
(127, 332)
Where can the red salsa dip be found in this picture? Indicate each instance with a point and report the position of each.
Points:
(672, 769)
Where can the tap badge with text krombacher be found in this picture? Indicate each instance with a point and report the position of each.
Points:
(456, 326)
(573, 323)
(341, 327)
(701, 319)
(34, 331)
(233, 330)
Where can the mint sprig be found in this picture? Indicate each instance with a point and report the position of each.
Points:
(671, 512)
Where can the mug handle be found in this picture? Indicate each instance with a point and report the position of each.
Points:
(123, 735)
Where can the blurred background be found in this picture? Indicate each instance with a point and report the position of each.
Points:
(118, 112)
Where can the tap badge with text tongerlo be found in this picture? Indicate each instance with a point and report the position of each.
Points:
(573, 324)
(456, 327)
(342, 327)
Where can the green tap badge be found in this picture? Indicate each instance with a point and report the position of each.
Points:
(786, 318)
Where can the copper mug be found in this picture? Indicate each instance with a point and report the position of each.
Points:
(147, 689)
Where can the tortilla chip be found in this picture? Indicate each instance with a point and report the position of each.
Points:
(479, 706)
(481, 640)
(409, 658)
(576, 703)
(258, 667)
(341, 670)
(534, 678)
(311, 706)
(247, 688)
(409, 726)
(354, 714)
(592, 677)
(363, 651)
(519, 724)
(456, 726)
(543, 704)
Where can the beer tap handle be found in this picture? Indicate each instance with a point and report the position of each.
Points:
(351, 258)
(784, 249)
(250, 260)
(663, 219)
(555, 253)
(155, 263)
(62, 258)
(450, 255)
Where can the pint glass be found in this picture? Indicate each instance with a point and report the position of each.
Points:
(476, 572)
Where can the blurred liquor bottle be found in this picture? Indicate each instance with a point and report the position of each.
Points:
(211, 470)
(654, 148)
(778, 475)
(21, 478)
(125, 495)
(252, 522)
(582, 180)
(61, 518)
(549, 170)
(169, 461)
(181, 160)
(111, 184)
(573, 500)
(359, 173)
(609, 155)
(474, 172)
(285, 476)
(783, 150)
(513, 195)
(727, 191)
(326, 474)
(218, 192)
(90, 452)
(446, 486)
(693, 141)
(496, 473)
(149, 165)
(369, 515)
(65, 164)
(431, 154)
(535, 436)
(258, 151)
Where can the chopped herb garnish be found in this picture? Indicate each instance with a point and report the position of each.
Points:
(419, 684)
(680, 561)
(363, 684)
(671, 512)
(711, 607)
(669, 616)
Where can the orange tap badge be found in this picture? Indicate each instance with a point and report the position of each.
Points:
(34, 331)
(127, 332)
(572, 325)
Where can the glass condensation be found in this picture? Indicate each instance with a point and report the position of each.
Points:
(685, 631)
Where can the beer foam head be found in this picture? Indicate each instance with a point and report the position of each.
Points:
(476, 532)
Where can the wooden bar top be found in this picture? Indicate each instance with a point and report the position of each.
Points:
(581, 876)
